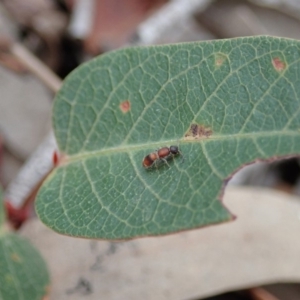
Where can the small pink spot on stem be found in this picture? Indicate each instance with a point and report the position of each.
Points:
(125, 106)
(278, 64)
(55, 158)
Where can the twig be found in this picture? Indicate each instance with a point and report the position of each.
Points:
(20, 192)
(33, 64)
(22, 189)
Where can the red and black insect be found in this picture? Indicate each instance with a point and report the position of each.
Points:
(161, 154)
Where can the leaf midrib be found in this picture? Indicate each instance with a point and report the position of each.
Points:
(156, 145)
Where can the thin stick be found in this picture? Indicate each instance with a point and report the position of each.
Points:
(33, 64)
(22, 189)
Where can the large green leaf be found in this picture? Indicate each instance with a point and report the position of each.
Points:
(225, 104)
(23, 272)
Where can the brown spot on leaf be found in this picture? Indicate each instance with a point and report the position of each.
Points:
(197, 131)
(278, 64)
(15, 257)
(219, 62)
(219, 59)
(125, 106)
(9, 278)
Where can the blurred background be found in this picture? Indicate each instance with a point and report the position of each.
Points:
(42, 41)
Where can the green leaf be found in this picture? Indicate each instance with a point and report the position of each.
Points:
(23, 272)
(225, 103)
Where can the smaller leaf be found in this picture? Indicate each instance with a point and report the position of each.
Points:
(23, 272)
